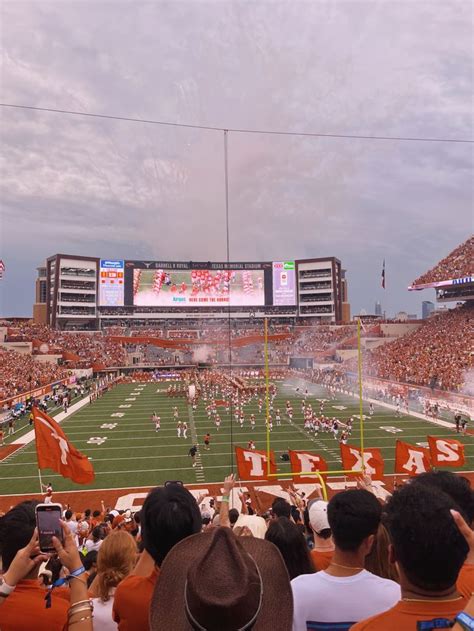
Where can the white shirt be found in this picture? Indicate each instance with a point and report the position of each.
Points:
(103, 614)
(91, 545)
(72, 525)
(322, 598)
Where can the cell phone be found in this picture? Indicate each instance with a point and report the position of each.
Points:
(48, 523)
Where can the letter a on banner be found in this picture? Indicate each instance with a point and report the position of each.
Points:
(372, 462)
(303, 461)
(253, 464)
(446, 452)
(411, 459)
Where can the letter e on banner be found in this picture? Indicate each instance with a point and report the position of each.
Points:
(303, 461)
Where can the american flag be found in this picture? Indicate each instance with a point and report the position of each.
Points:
(2, 268)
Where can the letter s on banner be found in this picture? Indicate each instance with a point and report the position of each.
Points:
(446, 452)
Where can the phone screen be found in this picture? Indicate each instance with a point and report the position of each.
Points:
(47, 520)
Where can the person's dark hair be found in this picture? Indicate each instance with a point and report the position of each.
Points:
(289, 539)
(353, 516)
(68, 514)
(458, 487)
(281, 508)
(55, 566)
(206, 521)
(427, 543)
(96, 513)
(87, 513)
(89, 559)
(169, 514)
(295, 514)
(16, 530)
(98, 533)
(233, 516)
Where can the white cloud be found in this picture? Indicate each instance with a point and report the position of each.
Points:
(386, 68)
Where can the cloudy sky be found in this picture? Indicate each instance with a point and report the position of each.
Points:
(131, 190)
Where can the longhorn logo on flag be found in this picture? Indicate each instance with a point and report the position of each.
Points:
(411, 459)
(254, 464)
(303, 461)
(446, 452)
(55, 452)
(371, 462)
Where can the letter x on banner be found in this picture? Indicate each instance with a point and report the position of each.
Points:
(370, 461)
(252, 465)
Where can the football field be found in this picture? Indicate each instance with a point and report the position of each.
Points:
(117, 434)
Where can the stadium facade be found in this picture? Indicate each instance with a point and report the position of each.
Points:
(81, 292)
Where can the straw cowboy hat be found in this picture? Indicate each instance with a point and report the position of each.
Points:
(215, 581)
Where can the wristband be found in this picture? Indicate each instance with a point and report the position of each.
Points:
(465, 620)
(5, 589)
(80, 570)
(225, 498)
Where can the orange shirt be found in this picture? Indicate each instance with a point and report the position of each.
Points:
(132, 602)
(465, 582)
(25, 608)
(406, 614)
(321, 559)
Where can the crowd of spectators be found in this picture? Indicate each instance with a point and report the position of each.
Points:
(438, 354)
(402, 563)
(88, 348)
(458, 264)
(21, 372)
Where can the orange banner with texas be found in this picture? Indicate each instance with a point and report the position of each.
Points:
(252, 464)
(54, 451)
(411, 459)
(371, 462)
(446, 452)
(304, 461)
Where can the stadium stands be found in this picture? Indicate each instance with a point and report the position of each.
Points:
(438, 354)
(458, 264)
(19, 373)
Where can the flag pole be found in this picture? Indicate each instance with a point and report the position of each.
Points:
(33, 409)
(40, 480)
(361, 410)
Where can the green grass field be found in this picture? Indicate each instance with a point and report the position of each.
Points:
(134, 455)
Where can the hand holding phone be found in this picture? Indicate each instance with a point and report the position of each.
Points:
(48, 522)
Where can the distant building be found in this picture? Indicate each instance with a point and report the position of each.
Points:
(378, 308)
(413, 316)
(402, 316)
(427, 308)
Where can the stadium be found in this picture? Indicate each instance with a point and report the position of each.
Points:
(203, 426)
(124, 352)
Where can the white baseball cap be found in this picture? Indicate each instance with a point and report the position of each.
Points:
(318, 515)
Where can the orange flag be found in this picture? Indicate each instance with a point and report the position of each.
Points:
(253, 464)
(446, 452)
(411, 459)
(55, 452)
(372, 462)
(304, 461)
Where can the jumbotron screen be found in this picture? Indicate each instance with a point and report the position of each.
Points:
(198, 287)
